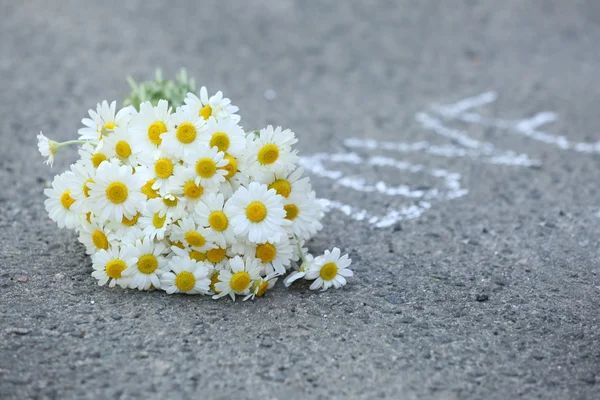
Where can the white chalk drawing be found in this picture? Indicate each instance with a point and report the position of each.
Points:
(418, 201)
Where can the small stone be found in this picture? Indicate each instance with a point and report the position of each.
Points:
(407, 320)
(482, 297)
(18, 331)
(22, 278)
(59, 276)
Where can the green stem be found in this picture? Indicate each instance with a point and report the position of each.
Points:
(302, 255)
(69, 142)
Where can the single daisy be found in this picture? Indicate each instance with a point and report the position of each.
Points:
(93, 155)
(285, 184)
(104, 120)
(234, 178)
(275, 257)
(188, 252)
(147, 176)
(60, 205)
(47, 148)
(217, 256)
(261, 285)
(184, 186)
(95, 235)
(127, 229)
(270, 152)
(257, 213)
(238, 278)
(109, 265)
(150, 264)
(84, 174)
(124, 147)
(208, 165)
(216, 106)
(329, 270)
(155, 222)
(226, 135)
(148, 126)
(186, 276)
(300, 272)
(209, 213)
(305, 213)
(191, 235)
(169, 205)
(163, 169)
(116, 192)
(185, 136)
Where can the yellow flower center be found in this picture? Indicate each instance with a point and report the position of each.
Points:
(88, 217)
(114, 268)
(213, 281)
(163, 168)
(218, 221)
(291, 211)
(205, 112)
(206, 167)
(109, 126)
(268, 154)
(262, 288)
(231, 166)
(159, 221)
(282, 186)
(186, 133)
(192, 191)
(117, 192)
(195, 239)
(240, 281)
(100, 240)
(66, 200)
(86, 189)
(123, 149)
(266, 252)
(185, 281)
(148, 191)
(256, 211)
(220, 140)
(147, 264)
(329, 271)
(97, 159)
(156, 129)
(178, 244)
(215, 255)
(198, 256)
(171, 202)
(130, 222)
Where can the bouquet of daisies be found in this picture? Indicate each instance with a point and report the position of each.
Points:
(186, 201)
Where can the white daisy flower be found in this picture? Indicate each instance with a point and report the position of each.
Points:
(275, 257)
(186, 135)
(305, 213)
(164, 171)
(123, 146)
(84, 174)
(217, 256)
(95, 235)
(93, 155)
(128, 229)
(116, 192)
(184, 186)
(285, 184)
(226, 135)
(60, 205)
(329, 270)
(188, 252)
(155, 222)
(234, 178)
(216, 106)
(168, 204)
(261, 285)
(150, 264)
(47, 148)
(208, 165)
(270, 153)
(191, 235)
(109, 266)
(103, 121)
(257, 213)
(209, 213)
(301, 272)
(238, 278)
(149, 124)
(186, 276)
(147, 176)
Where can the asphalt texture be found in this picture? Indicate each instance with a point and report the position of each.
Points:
(491, 295)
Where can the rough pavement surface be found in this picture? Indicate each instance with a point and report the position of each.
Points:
(493, 295)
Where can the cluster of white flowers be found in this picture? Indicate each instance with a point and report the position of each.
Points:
(188, 202)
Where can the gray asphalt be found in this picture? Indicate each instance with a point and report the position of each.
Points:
(492, 295)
